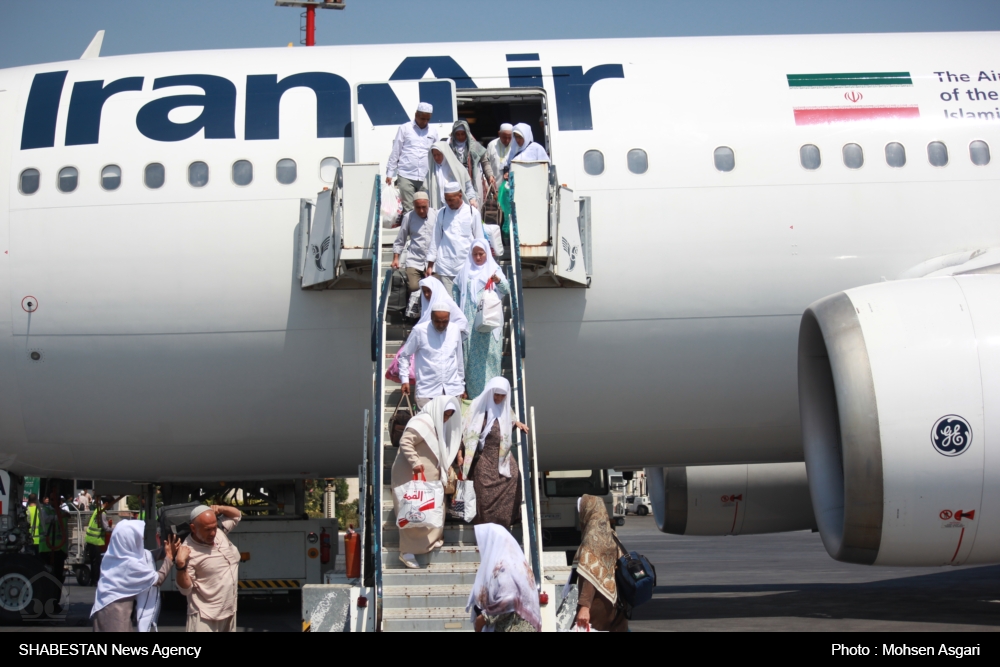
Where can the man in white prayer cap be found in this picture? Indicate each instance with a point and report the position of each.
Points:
(436, 345)
(498, 149)
(207, 576)
(457, 226)
(418, 227)
(408, 159)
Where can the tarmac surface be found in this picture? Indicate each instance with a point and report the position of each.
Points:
(783, 582)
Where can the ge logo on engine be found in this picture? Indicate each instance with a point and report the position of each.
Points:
(951, 435)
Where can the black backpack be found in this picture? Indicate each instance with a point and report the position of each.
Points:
(397, 293)
(635, 578)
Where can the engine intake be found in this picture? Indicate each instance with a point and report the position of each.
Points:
(897, 384)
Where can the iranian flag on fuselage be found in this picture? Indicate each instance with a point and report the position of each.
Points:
(851, 96)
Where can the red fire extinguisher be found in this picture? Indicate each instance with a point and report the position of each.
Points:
(324, 547)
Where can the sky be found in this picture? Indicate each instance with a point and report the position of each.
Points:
(37, 31)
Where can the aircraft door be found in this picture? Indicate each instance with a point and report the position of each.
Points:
(571, 264)
(383, 106)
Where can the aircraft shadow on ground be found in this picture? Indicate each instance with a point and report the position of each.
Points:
(962, 597)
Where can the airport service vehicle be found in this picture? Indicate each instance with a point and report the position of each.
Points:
(637, 505)
(748, 258)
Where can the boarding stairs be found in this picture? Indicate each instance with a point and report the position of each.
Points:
(359, 251)
(434, 598)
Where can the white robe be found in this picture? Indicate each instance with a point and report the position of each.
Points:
(453, 236)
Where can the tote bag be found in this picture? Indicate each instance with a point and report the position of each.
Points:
(420, 504)
(489, 312)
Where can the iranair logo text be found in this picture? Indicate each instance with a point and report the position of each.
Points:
(571, 85)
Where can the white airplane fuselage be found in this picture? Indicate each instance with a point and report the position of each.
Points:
(175, 342)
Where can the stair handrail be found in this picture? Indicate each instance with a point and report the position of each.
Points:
(528, 476)
(515, 253)
(363, 499)
(378, 410)
(376, 253)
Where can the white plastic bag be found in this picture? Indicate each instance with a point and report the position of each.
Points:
(413, 306)
(391, 205)
(495, 235)
(489, 313)
(463, 503)
(420, 504)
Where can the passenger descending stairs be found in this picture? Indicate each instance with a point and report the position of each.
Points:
(434, 598)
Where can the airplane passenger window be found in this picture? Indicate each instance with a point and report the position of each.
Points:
(895, 155)
(979, 153)
(111, 177)
(638, 162)
(593, 163)
(937, 153)
(854, 157)
(242, 172)
(328, 169)
(286, 171)
(68, 177)
(28, 183)
(198, 174)
(724, 158)
(154, 176)
(809, 156)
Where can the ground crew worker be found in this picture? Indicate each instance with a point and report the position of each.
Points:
(32, 510)
(53, 536)
(96, 530)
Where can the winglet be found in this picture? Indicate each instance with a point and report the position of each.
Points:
(94, 50)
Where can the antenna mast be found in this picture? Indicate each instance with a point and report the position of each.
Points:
(310, 14)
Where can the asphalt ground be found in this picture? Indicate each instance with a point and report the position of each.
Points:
(787, 582)
(775, 583)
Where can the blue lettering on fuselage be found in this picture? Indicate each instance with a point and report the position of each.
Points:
(263, 101)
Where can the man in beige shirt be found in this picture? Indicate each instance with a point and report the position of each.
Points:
(208, 576)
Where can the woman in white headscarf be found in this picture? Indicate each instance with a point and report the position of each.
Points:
(504, 597)
(471, 155)
(444, 168)
(483, 351)
(429, 445)
(524, 148)
(129, 578)
(433, 290)
(487, 457)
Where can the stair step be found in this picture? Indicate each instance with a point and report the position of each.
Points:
(429, 576)
(454, 535)
(416, 597)
(446, 554)
(427, 619)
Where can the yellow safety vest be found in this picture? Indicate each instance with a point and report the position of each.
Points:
(33, 523)
(95, 534)
(52, 535)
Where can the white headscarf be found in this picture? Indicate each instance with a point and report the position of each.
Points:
(128, 570)
(443, 438)
(504, 580)
(472, 278)
(440, 293)
(483, 408)
(530, 151)
(450, 170)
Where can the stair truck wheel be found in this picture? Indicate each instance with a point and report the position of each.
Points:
(27, 591)
(83, 575)
(642, 510)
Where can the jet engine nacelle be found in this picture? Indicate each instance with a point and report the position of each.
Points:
(899, 395)
(730, 499)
